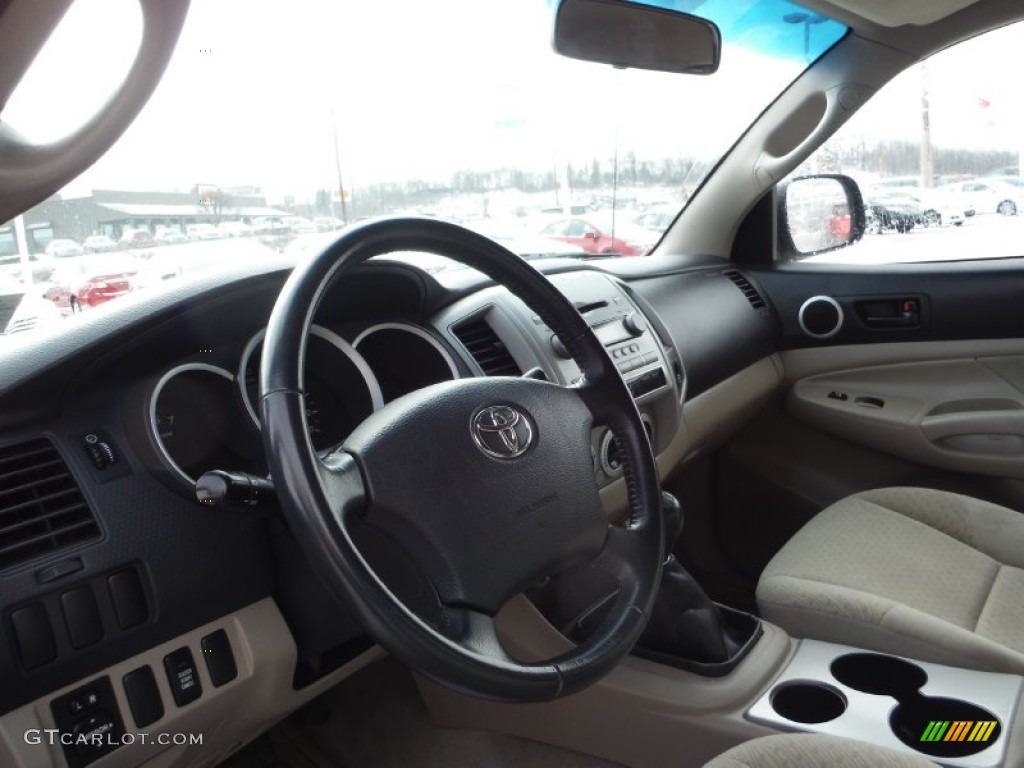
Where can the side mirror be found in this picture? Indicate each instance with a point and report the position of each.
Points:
(817, 214)
(590, 235)
(631, 35)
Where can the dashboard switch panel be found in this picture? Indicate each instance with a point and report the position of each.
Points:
(82, 616)
(89, 722)
(220, 661)
(129, 598)
(183, 676)
(143, 696)
(34, 635)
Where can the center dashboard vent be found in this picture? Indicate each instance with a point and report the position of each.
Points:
(740, 281)
(486, 348)
(42, 509)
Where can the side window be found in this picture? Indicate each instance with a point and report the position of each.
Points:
(937, 156)
(554, 230)
(576, 228)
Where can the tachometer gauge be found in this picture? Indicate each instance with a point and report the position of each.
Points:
(341, 390)
(404, 358)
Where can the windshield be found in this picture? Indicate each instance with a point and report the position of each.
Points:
(278, 124)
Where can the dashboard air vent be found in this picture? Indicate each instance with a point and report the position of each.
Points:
(741, 282)
(487, 349)
(42, 509)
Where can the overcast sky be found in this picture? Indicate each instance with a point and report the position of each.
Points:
(420, 90)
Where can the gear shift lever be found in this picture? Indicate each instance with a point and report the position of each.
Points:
(684, 622)
(672, 514)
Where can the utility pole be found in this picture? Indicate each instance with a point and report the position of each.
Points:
(337, 167)
(927, 164)
(21, 240)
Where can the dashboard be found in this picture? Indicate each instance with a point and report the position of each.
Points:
(136, 401)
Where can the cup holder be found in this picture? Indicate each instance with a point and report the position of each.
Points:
(808, 702)
(942, 727)
(936, 726)
(880, 675)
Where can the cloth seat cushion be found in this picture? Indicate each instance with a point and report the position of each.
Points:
(801, 750)
(916, 572)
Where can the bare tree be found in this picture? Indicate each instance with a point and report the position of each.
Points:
(216, 202)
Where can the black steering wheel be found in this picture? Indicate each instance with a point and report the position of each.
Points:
(487, 484)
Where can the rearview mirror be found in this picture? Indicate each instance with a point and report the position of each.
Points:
(818, 214)
(630, 35)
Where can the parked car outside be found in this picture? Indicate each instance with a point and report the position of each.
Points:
(169, 236)
(513, 236)
(892, 211)
(99, 244)
(63, 248)
(90, 282)
(203, 231)
(270, 225)
(137, 238)
(657, 220)
(235, 229)
(300, 226)
(23, 308)
(327, 223)
(987, 196)
(597, 240)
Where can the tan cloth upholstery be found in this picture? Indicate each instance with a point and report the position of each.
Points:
(927, 574)
(800, 750)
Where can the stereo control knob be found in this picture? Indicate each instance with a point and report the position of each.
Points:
(634, 324)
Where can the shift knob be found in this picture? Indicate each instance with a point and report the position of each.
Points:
(672, 513)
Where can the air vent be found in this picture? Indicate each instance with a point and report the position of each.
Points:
(741, 282)
(41, 508)
(487, 349)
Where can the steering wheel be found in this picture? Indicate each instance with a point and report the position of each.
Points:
(486, 483)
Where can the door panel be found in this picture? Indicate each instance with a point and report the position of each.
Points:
(957, 300)
(944, 407)
(961, 415)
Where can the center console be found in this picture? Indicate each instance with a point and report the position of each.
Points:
(952, 716)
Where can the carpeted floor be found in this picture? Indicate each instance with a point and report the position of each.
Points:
(377, 720)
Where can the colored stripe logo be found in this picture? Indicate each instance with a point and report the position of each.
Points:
(959, 730)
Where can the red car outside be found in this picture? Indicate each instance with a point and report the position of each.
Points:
(78, 286)
(592, 239)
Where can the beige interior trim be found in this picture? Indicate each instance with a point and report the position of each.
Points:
(801, 363)
(642, 714)
(30, 173)
(227, 717)
(962, 415)
(890, 14)
(813, 107)
(717, 414)
(708, 421)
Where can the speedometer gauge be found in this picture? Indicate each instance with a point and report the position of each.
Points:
(340, 388)
(196, 425)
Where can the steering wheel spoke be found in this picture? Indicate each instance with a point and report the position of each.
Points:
(624, 553)
(342, 483)
(475, 632)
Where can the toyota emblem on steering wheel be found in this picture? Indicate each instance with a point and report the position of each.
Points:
(501, 432)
